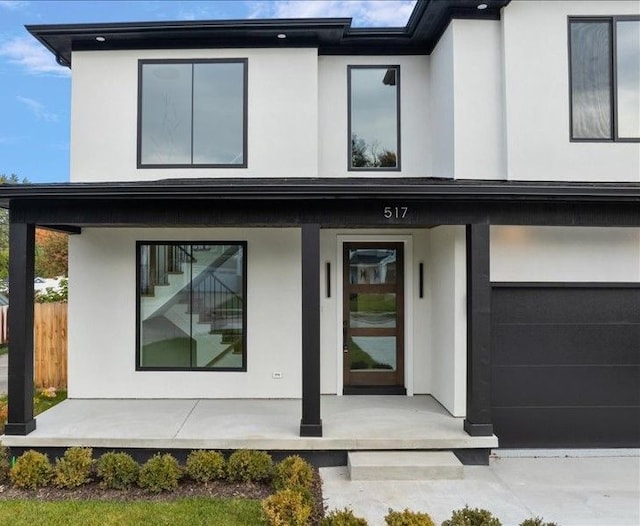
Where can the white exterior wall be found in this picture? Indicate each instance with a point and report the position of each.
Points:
(550, 254)
(479, 100)
(447, 279)
(467, 102)
(103, 294)
(536, 69)
(282, 115)
(102, 314)
(415, 149)
(441, 84)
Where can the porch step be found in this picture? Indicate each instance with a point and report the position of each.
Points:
(404, 465)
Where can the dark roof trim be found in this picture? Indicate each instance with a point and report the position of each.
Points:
(325, 188)
(332, 36)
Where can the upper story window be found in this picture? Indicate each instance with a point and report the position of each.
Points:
(604, 56)
(374, 117)
(192, 113)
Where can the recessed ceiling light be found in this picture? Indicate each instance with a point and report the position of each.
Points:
(482, 6)
(100, 39)
(282, 35)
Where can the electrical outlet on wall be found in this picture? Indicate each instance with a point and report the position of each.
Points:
(277, 375)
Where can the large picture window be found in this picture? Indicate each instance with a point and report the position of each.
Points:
(191, 306)
(192, 113)
(374, 117)
(604, 56)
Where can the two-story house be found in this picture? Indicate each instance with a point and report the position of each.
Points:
(285, 209)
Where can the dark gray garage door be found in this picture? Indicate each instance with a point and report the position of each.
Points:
(566, 365)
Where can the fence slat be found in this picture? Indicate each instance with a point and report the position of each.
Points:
(3, 324)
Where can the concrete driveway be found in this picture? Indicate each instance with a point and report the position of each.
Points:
(584, 491)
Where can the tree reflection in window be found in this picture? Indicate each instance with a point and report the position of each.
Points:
(374, 117)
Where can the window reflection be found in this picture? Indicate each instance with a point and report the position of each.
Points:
(191, 306)
(605, 61)
(192, 113)
(373, 117)
(372, 266)
(591, 80)
(628, 78)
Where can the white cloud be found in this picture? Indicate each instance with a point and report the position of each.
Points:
(365, 13)
(13, 4)
(195, 13)
(31, 55)
(38, 109)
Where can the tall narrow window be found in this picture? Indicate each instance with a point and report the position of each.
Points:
(628, 78)
(191, 306)
(374, 117)
(605, 78)
(192, 113)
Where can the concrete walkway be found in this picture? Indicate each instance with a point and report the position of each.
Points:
(584, 491)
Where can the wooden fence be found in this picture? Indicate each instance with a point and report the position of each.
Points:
(3, 324)
(50, 341)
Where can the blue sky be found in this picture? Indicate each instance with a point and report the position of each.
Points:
(35, 91)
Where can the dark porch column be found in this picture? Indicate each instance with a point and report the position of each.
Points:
(21, 268)
(311, 424)
(478, 421)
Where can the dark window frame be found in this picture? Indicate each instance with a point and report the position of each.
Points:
(613, 102)
(398, 166)
(243, 369)
(245, 95)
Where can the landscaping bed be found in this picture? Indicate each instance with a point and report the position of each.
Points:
(248, 482)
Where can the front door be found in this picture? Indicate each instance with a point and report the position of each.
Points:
(373, 318)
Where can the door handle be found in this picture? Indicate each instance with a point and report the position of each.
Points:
(345, 345)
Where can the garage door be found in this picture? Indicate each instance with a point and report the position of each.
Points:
(566, 365)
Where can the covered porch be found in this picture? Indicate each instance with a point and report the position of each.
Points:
(311, 422)
(349, 423)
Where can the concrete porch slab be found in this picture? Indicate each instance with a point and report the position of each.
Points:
(349, 423)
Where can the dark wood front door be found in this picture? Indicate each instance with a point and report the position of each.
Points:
(373, 318)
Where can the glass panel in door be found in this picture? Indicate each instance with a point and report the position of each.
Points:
(373, 324)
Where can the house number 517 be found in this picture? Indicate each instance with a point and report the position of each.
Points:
(395, 212)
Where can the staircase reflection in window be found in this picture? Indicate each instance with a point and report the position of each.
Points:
(191, 306)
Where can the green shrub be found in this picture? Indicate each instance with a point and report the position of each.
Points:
(160, 473)
(204, 466)
(294, 473)
(117, 470)
(344, 517)
(74, 468)
(472, 517)
(408, 518)
(32, 470)
(4, 464)
(286, 508)
(536, 521)
(246, 465)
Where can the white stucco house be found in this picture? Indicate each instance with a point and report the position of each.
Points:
(284, 209)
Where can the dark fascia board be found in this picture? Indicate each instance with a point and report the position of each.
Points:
(331, 36)
(326, 188)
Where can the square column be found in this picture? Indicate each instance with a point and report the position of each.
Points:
(21, 299)
(478, 420)
(311, 424)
